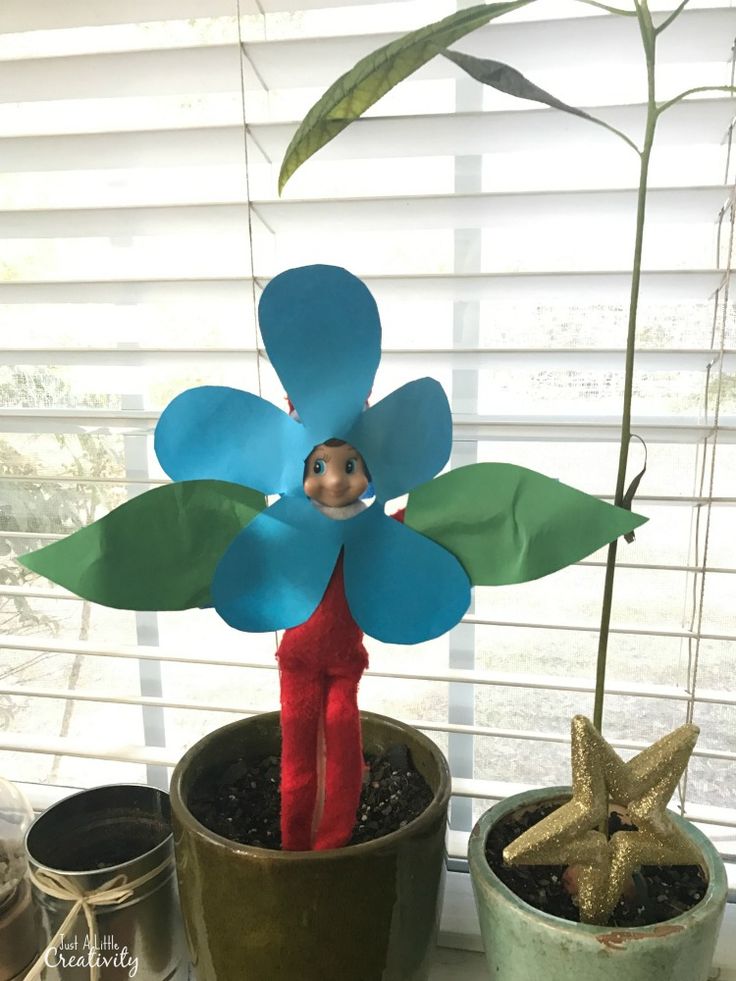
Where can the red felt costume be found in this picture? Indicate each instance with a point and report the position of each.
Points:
(320, 665)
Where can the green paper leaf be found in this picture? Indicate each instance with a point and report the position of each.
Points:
(157, 551)
(373, 76)
(507, 524)
(509, 80)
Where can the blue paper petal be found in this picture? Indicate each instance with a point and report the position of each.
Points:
(276, 571)
(401, 587)
(406, 438)
(322, 333)
(226, 434)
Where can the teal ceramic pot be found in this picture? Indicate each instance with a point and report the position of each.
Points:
(522, 943)
(365, 912)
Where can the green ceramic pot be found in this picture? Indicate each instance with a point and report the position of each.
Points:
(523, 943)
(365, 912)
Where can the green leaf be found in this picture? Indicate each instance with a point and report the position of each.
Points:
(507, 524)
(373, 76)
(157, 551)
(509, 80)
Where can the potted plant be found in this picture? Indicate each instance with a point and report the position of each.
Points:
(529, 921)
(326, 563)
(366, 910)
(17, 922)
(520, 942)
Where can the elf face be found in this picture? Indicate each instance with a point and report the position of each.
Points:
(334, 474)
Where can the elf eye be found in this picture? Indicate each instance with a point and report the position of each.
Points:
(352, 465)
(319, 467)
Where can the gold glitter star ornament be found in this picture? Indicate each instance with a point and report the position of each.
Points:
(642, 788)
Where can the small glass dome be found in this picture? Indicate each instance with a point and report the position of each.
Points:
(16, 814)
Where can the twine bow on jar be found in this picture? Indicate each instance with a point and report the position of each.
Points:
(111, 893)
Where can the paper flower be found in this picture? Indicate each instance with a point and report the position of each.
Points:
(322, 334)
(208, 539)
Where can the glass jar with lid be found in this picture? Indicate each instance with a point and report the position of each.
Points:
(18, 934)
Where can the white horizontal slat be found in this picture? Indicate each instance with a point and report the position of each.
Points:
(591, 628)
(602, 286)
(536, 682)
(215, 146)
(629, 631)
(716, 570)
(487, 789)
(527, 45)
(45, 15)
(578, 359)
(552, 737)
(681, 204)
(43, 795)
(642, 566)
(701, 121)
(206, 219)
(605, 286)
(131, 73)
(99, 749)
(231, 291)
(216, 218)
(605, 430)
(526, 682)
(73, 420)
(96, 749)
(713, 815)
(129, 481)
(139, 483)
(496, 790)
(115, 698)
(25, 535)
(81, 481)
(466, 428)
(272, 6)
(530, 46)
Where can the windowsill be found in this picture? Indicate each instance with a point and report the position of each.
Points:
(458, 965)
(459, 953)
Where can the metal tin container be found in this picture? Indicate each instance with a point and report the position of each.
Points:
(102, 838)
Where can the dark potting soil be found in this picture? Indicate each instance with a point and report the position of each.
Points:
(243, 802)
(661, 893)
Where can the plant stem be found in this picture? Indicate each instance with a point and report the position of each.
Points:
(648, 39)
(700, 88)
(618, 132)
(675, 13)
(611, 10)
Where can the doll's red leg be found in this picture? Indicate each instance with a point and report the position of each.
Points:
(344, 766)
(302, 701)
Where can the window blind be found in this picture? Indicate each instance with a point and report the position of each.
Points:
(140, 146)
